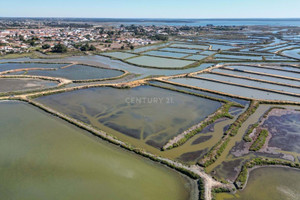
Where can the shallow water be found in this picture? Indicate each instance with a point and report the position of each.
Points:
(134, 114)
(285, 130)
(252, 83)
(11, 85)
(196, 57)
(265, 70)
(120, 55)
(12, 66)
(42, 157)
(166, 54)
(151, 61)
(269, 184)
(116, 64)
(208, 52)
(193, 46)
(285, 47)
(234, 90)
(192, 51)
(242, 57)
(222, 47)
(230, 162)
(147, 48)
(240, 101)
(292, 53)
(77, 72)
(256, 76)
(270, 48)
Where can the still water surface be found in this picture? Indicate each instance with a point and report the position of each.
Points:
(42, 157)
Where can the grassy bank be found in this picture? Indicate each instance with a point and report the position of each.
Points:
(242, 178)
(260, 140)
(222, 112)
(251, 128)
(218, 148)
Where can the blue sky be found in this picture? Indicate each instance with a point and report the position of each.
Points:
(151, 8)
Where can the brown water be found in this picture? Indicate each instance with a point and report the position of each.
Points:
(43, 157)
(269, 184)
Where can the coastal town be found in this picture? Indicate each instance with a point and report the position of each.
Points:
(25, 40)
(24, 37)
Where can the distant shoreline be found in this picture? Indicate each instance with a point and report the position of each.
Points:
(169, 21)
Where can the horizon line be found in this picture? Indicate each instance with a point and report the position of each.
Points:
(153, 18)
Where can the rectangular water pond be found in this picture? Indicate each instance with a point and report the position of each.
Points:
(119, 55)
(14, 85)
(77, 72)
(147, 48)
(190, 46)
(267, 71)
(43, 157)
(13, 66)
(166, 54)
(238, 57)
(235, 90)
(252, 83)
(143, 114)
(256, 76)
(150, 61)
(177, 87)
(192, 51)
(196, 57)
(221, 47)
(209, 53)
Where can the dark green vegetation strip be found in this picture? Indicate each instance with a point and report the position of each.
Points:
(247, 137)
(233, 129)
(201, 189)
(218, 148)
(260, 141)
(219, 190)
(251, 128)
(222, 112)
(243, 175)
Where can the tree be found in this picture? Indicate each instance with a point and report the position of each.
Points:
(87, 47)
(101, 31)
(92, 48)
(21, 37)
(84, 47)
(32, 43)
(161, 37)
(110, 33)
(46, 46)
(59, 48)
(76, 46)
(131, 47)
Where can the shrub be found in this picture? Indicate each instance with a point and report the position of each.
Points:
(59, 48)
